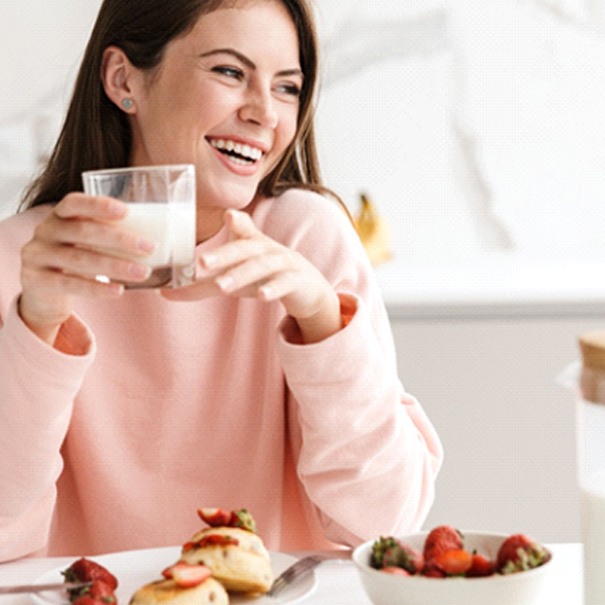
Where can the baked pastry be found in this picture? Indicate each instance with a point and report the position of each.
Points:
(183, 585)
(232, 550)
(168, 592)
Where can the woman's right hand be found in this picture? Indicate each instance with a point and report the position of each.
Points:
(63, 257)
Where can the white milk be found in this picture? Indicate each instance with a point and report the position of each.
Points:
(593, 534)
(171, 227)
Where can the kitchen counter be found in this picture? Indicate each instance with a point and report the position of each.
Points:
(493, 286)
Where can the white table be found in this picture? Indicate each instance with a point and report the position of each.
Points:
(337, 581)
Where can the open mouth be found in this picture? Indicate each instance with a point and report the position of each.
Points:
(238, 153)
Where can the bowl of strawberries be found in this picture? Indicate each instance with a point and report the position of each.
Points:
(446, 565)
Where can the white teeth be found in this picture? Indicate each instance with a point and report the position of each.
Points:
(250, 154)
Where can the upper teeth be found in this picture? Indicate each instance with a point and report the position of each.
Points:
(253, 153)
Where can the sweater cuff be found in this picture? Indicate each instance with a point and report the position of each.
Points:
(35, 352)
(305, 361)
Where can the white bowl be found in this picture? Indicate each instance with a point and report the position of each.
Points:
(523, 588)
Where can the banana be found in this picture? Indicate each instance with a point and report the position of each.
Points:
(373, 232)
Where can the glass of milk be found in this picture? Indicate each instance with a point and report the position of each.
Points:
(591, 463)
(161, 208)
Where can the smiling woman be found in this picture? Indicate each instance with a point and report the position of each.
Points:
(275, 387)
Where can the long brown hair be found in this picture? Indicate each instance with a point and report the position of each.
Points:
(97, 134)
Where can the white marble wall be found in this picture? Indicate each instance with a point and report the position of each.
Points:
(484, 135)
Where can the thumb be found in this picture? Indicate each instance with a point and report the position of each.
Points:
(240, 224)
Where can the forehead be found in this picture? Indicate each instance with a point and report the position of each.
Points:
(262, 27)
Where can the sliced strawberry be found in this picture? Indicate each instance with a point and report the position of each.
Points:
(217, 540)
(216, 517)
(210, 540)
(187, 575)
(481, 567)
(454, 562)
(441, 539)
(520, 553)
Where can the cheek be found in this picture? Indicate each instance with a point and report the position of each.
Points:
(287, 130)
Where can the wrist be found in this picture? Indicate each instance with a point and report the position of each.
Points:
(322, 324)
(46, 331)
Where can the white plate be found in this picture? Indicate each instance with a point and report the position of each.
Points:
(135, 568)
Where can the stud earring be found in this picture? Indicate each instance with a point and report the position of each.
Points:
(127, 103)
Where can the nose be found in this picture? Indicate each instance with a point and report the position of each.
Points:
(259, 108)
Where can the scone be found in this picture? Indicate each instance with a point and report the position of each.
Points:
(168, 592)
(233, 551)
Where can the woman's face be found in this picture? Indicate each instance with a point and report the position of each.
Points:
(225, 98)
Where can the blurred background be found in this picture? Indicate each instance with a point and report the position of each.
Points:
(476, 130)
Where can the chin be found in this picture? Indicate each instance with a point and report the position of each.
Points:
(236, 198)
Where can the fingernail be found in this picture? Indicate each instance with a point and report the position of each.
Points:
(139, 271)
(117, 209)
(208, 260)
(225, 282)
(145, 245)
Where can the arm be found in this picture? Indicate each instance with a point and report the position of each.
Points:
(39, 384)
(366, 454)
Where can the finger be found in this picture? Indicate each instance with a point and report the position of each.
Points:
(101, 208)
(57, 281)
(234, 252)
(254, 271)
(94, 234)
(240, 224)
(84, 262)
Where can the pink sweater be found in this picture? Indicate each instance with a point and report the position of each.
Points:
(180, 405)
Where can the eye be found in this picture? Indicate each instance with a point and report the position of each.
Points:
(290, 89)
(230, 72)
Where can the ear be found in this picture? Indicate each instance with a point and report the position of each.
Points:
(118, 75)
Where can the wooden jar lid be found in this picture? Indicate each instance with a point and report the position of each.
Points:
(592, 379)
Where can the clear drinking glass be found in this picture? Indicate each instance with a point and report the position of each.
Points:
(161, 207)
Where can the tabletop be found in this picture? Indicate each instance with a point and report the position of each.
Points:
(337, 582)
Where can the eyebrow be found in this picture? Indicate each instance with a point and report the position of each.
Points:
(247, 62)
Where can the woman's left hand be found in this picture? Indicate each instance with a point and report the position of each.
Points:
(254, 265)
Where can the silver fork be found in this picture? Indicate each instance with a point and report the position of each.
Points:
(303, 567)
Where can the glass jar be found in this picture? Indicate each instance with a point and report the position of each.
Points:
(591, 463)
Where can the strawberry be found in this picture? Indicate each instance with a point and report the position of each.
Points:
(390, 552)
(430, 570)
(243, 519)
(440, 540)
(85, 570)
(217, 540)
(454, 562)
(101, 592)
(88, 600)
(215, 517)
(219, 517)
(520, 553)
(396, 571)
(480, 567)
(187, 575)
(211, 540)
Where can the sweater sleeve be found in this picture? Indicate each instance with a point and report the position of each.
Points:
(367, 455)
(39, 385)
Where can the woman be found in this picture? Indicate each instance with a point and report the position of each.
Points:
(275, 386)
